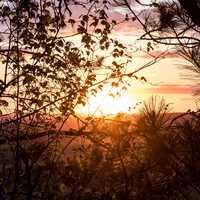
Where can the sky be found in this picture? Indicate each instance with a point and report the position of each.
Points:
(166, 77)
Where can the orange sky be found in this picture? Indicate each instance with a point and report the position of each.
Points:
(167, 75)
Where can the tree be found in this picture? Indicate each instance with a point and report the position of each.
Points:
(45, 65)
(45, 74)
(192, 9)
(174, 24)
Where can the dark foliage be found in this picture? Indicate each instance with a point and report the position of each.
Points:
(155, 156)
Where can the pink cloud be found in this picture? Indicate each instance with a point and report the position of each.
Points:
(168, 89)
(156, 53)
(129, 28)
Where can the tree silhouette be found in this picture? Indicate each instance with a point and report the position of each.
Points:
(51, 55)
(46, 74)
(192, 9)
(174, 24)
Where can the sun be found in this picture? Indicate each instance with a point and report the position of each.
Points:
(110, 101)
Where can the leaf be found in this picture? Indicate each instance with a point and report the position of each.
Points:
(114, 22)
(60, 43)
(72, 22)
(143, 79)
(111, 95)
(85, 18)
(126, 17)
(115, 84)
(4, 103)
(28, 79)
(133, 19)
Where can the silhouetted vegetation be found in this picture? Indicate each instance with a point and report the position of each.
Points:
(152, 155)
(173, 24)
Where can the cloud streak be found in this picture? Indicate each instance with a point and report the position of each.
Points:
(167, 89)
(156, 53)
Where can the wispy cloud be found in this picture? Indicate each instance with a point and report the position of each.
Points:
(167, 89)
(156, 53)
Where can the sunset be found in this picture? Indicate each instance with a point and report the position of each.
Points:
(99, 100)
(110, 101)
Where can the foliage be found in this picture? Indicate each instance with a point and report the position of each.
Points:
(173, 25)
(123, 161)
(47, 73)
(50, 59)
(44, 71)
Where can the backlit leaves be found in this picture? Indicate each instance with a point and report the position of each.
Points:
(54, 72)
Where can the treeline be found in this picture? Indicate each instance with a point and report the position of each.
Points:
(155, 156)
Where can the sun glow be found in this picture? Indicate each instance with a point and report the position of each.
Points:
(111, 101)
